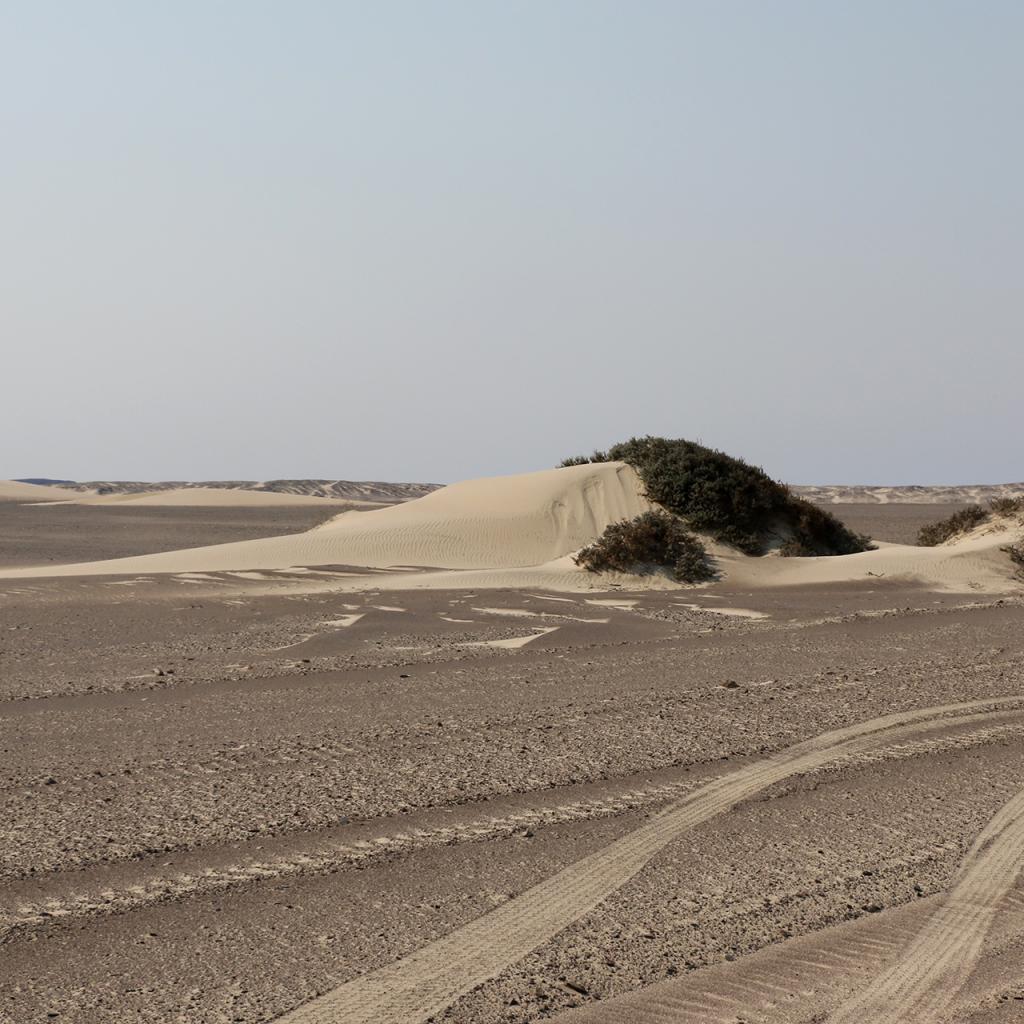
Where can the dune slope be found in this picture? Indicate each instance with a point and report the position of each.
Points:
(498, 522)
(15, 490)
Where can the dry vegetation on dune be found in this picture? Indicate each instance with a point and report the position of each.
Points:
(967, 519)
(1016, 553)
(730, 500)
(655, 539)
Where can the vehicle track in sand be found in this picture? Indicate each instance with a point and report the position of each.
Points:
(922, 986)
(425, 982)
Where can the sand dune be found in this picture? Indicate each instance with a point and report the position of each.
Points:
(15, 490)
(493, 523)
(520, 531)
(976, 563)
(204, 497)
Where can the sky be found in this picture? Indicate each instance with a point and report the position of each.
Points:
(438, 240)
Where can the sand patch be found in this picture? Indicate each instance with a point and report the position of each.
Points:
(516, 613)
(345, 621)
(739, 613)
(513, 643)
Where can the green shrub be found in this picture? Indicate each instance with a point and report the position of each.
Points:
(729, 499)
(653, 538)
(961, 520)
(583, 460)
(818, 532)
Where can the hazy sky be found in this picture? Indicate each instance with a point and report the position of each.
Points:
(434, 240)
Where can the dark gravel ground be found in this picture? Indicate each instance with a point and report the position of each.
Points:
(897, 524)
(37, 535)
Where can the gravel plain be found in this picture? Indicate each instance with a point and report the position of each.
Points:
(225, 797)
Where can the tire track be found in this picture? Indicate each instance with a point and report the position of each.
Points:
(922, 986)
(427, 981)
(318, 858)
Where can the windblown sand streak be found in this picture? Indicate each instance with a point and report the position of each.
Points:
(429, 980)
(922, 986)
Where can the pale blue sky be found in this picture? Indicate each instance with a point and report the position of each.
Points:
(449, 239)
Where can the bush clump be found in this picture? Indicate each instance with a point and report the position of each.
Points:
(1016, 553)
(963, 519)
(1006, 506)
(734, 502)
(967, 518)
(651, 539)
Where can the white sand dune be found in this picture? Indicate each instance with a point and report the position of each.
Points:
(975, 562)
(493, 523)
(14, 490)
(207, 497)
(520, 531)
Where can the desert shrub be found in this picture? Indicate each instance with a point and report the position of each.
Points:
(963, 519)
(583, 460)
(653, 538)
(793, 548)
(1006, 506)
(1016, 553)
(729, 499)
(818, 532)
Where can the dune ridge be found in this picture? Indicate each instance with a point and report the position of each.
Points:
(207, 497)
(375, 491)
(906, 494)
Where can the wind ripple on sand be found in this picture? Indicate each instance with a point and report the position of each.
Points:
(426, 982)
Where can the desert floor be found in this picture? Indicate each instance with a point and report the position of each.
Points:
(31, 535)
(226, 795)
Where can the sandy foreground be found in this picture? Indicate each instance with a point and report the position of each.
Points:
(412, 764)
